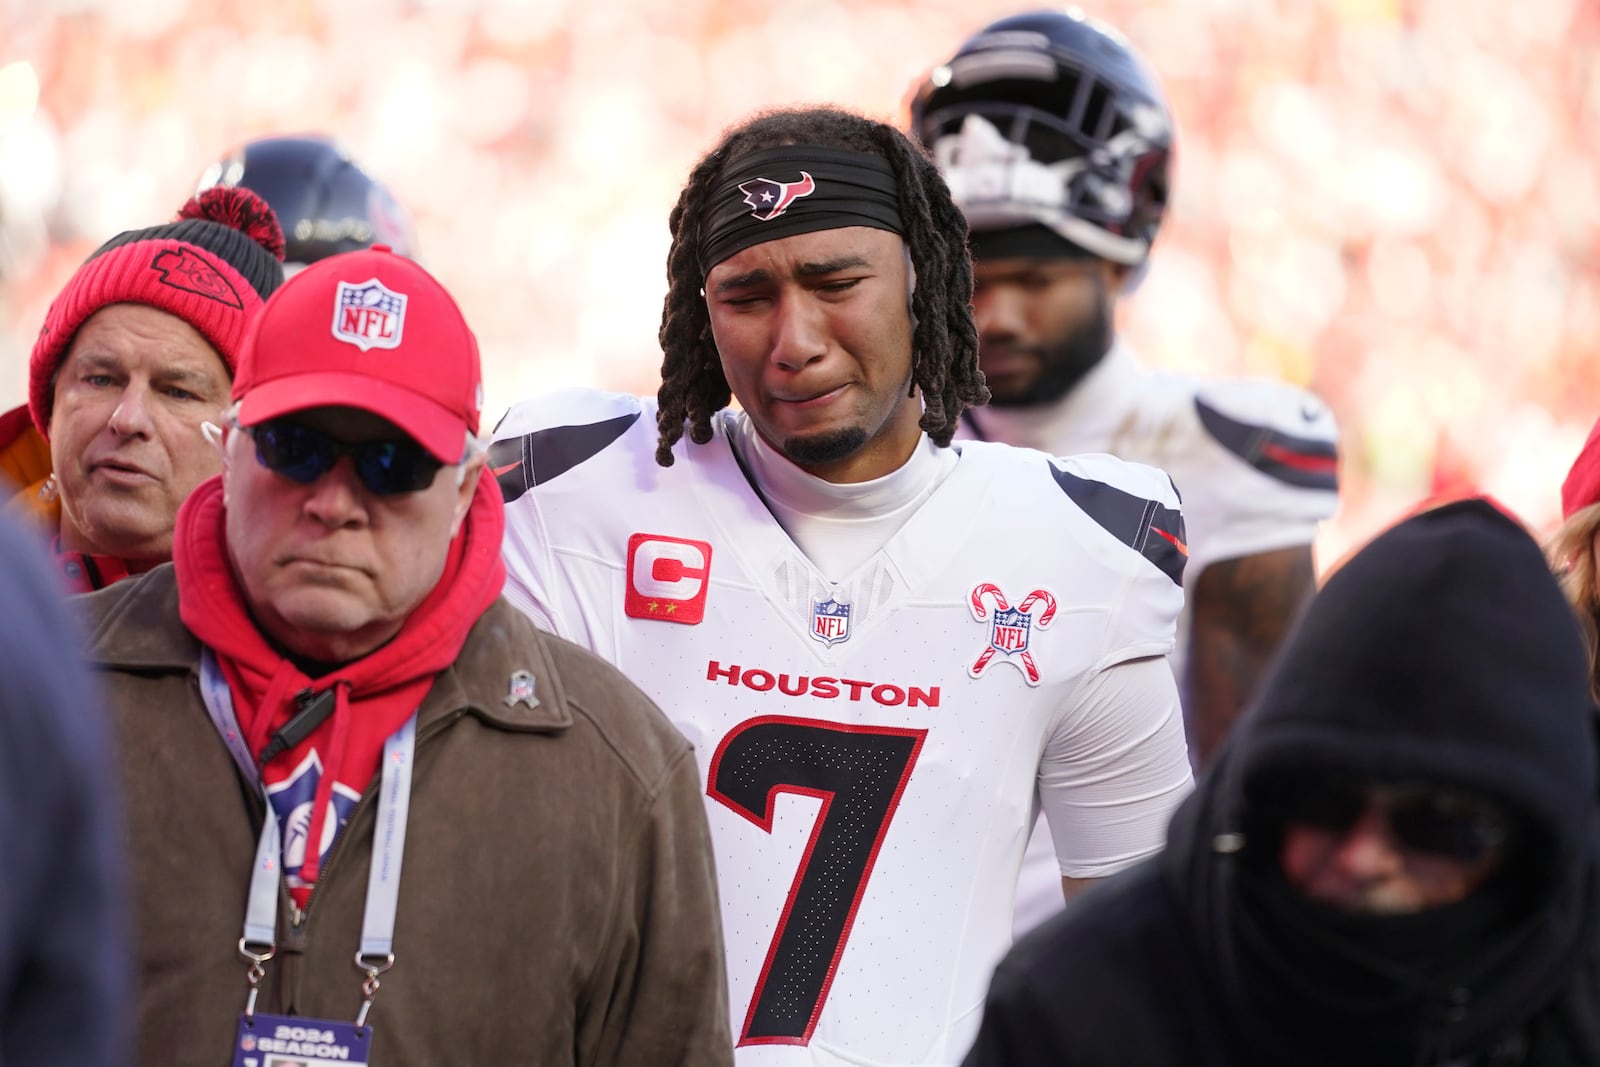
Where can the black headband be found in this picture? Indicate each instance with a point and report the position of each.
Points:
(779, 192)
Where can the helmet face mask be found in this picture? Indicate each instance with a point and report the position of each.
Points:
(1051, 118)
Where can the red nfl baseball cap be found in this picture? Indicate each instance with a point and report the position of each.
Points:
(369, 330)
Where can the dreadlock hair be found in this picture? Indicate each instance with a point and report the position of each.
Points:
(945, 343)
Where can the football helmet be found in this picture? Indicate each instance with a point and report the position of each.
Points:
(1051, 118)
(325, 202)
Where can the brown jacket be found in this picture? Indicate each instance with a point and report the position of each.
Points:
(558, 902)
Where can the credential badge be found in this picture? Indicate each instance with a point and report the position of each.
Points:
(830, 621)
(1010, 629)
(521, 690)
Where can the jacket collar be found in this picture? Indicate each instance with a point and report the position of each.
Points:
(135, 625)
(504, 676)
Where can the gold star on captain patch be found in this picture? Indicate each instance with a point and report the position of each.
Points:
(671, 608)
(652, 605)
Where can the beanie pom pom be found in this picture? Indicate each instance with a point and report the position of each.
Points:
(240, 209)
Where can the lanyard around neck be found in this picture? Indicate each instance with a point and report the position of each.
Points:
(376, 953)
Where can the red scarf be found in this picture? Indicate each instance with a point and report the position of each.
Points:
(374, 695)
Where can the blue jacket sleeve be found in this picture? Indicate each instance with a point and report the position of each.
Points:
(65, 986)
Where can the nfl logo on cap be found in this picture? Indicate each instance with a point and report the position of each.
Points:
(369, 315)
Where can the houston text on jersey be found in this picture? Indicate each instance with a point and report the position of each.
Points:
(822, 687)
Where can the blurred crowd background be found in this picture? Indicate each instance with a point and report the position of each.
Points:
(1396, 202)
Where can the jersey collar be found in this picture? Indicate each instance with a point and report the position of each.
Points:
(1082, 420)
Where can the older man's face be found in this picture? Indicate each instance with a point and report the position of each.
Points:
(331, 570)
(125, 441)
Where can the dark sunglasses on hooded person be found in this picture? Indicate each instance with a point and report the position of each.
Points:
(1442, 821)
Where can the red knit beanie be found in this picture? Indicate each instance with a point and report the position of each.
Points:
(1582, 486)
(213, 267)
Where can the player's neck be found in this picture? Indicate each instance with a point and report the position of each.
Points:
(784, 482)
(837, 525)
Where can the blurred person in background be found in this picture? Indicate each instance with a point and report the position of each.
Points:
(1574, 549)
(325, 202)
(1057, 143)
(136, 353)
(65, 982)
(831, 601)
(331, 620)
(1396, 860)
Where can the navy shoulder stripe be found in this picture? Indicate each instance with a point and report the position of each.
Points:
(1148, 527)
(520, 463)
(1307, 462)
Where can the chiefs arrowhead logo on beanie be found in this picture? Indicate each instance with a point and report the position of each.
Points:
(213, 267)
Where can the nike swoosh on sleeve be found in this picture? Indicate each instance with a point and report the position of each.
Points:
(1131, 519)
(1305, 462)
(1176, 543)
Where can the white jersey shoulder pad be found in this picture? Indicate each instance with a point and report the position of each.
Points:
(542, 438)
(1278, 429)
(1134, 503)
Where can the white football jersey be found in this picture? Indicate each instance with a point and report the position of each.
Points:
(1254, 460)
(873, 750)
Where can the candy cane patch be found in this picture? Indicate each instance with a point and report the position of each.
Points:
(1010, 628)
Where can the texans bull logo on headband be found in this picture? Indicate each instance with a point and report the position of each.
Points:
(769, 198)
(829, 188)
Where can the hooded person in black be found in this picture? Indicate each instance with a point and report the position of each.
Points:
(1443, 659)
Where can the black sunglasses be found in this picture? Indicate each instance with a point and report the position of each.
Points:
(1435, 820)
(302, 454)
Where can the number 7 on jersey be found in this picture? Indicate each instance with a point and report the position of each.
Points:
(859, 774)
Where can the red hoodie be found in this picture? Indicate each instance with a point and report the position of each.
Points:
(373, 696)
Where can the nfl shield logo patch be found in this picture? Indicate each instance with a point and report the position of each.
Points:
(1010, 631)
(830, 621)
(369, 315)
